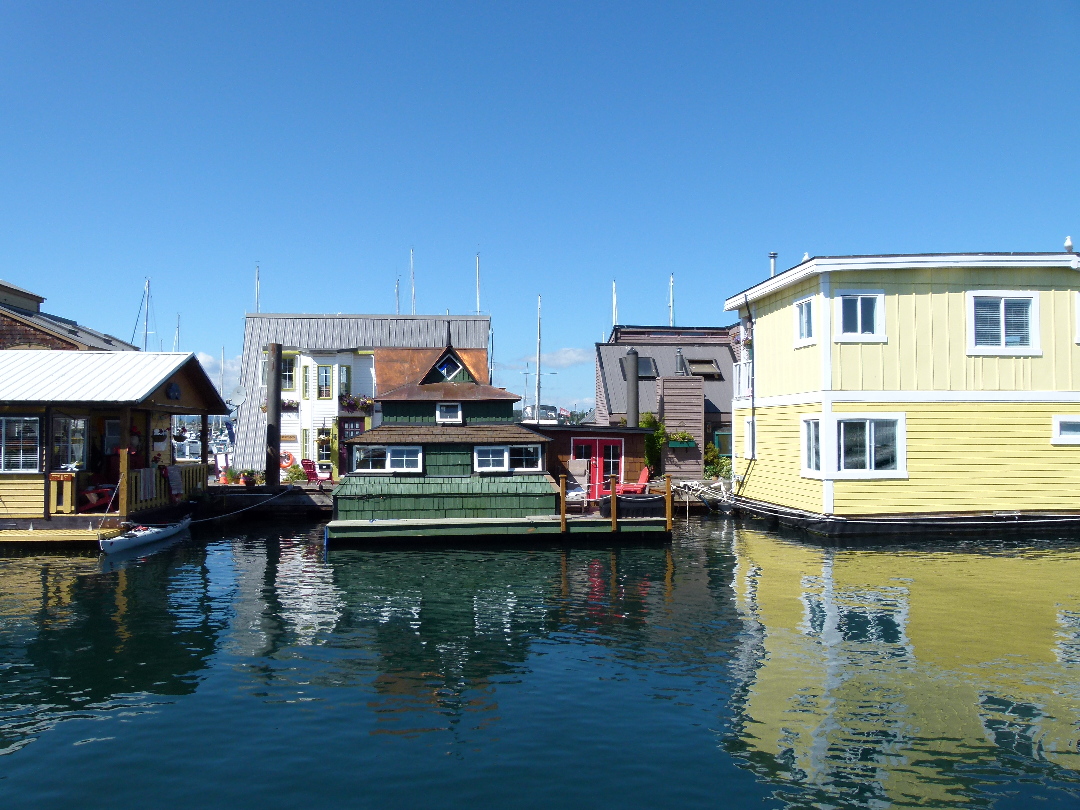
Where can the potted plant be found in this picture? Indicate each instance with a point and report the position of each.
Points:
(681, 438)
(351, 404)
(247, 478)
(289, 406)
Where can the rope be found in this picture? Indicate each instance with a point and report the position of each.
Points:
(238, 511)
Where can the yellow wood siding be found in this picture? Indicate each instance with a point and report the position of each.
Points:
(926, 328)
(970, 457)
(781, 368)
(22, 496)
(775, 476)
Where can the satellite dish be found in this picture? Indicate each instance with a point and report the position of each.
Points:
(238, 397)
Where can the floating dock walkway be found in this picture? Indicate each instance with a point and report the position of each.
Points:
(534, 526)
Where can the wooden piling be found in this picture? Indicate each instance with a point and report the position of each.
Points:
(614, 502)
(273, 414)
(562, 504)
(125, 463)
(668, 508)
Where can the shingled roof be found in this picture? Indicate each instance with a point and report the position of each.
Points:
(448, 434)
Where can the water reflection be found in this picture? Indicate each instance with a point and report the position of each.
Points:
(745, 662)
(906, 675)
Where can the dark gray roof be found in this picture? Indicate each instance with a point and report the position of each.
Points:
(69, 329)
(718, 392)
(448, 434)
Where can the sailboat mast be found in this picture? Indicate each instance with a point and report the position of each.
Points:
(477, 282)
(536, 402)
(614, 306)
(257, 288)
(412, 280)
(397, 295)
(146, 317)
(671, 301)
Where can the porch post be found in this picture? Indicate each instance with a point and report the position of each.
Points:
(47, 440)
(125, 461)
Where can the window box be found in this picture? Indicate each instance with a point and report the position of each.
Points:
(690, 443)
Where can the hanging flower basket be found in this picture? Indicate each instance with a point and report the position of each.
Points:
(289, 406)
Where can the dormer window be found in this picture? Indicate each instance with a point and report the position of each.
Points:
(448, 413)
(449, 367)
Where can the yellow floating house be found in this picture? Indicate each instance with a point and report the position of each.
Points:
(906, 393)
(86, 436)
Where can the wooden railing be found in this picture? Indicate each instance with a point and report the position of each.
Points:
(192, 476)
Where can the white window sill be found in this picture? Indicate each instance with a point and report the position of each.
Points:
(862, 475)
(861, 339)
(816, 474)
(1003, 351)
(1065, 442)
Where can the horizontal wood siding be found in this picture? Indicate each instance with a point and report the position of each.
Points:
(682, 408)
(972, 458)
(775, 476)
(22, 496)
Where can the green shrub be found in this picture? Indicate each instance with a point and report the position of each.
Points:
(654, 442)
(716, 465)
(294, 473)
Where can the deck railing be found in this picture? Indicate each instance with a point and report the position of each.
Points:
(193, 477)
(744, 379)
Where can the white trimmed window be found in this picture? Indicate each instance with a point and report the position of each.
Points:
(448, 413)
(1003, 322)
(507, 458)
(749, 449)
(392, 459)
(20, 444)
(811, 444)
(871, 446)
(1066, 429)
(804, 322)
(860, 316)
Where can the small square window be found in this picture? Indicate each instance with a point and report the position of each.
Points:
(1002, 322)
(804, 322)
(489, 459)
(449, 368)
(860, 317)
(448, 413)
(1066, 430)
(525, 457)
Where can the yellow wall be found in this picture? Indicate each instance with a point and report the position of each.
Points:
(965, 457)
(775, 476)
(926, 326)
(22, 495)
(781, 368)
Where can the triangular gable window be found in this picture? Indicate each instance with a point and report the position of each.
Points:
(449, 367)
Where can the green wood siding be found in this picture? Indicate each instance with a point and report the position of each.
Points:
(390, 497)
(448, 459)
(423, 413)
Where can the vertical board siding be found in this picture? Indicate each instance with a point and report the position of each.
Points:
(965, 457)
(780, 367)
(775, 476)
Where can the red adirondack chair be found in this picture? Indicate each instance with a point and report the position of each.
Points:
(312, 472)
(635, 489)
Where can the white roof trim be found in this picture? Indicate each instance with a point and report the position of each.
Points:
(852, 263)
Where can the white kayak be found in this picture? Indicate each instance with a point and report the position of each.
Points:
(142, 535)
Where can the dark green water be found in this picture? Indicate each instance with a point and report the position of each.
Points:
(731, 668)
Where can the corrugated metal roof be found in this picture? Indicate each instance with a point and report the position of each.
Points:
(718, 393)
(41, 375)
(333, 333)
(67, 329)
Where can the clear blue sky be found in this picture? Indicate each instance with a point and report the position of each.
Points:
(572, 143)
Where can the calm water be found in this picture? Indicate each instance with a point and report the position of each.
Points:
(731, 668)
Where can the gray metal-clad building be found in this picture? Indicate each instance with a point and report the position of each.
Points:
(314, 333)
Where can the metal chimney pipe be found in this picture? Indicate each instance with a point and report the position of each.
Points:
(772, 264)
(632, 388)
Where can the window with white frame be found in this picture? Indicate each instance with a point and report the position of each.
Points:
(508, 458)
(871, 446)
(860, 316)
(20, 443)
(811, 445)
(749, 439)
(804, 322)
(1066, 430)
(69, 443)
(288, 373)
(448, 413)
(1003, 322)
(393, 459)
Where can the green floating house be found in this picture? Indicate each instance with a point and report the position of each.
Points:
(447, 447)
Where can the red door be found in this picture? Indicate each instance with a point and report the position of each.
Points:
(605, 460)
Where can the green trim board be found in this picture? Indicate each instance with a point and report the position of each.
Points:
(529, 526)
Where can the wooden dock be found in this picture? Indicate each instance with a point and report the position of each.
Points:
(57, 536)
(537, 525)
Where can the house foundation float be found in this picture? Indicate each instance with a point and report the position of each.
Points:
(86, 441)
(448, 460)
(901, 395)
